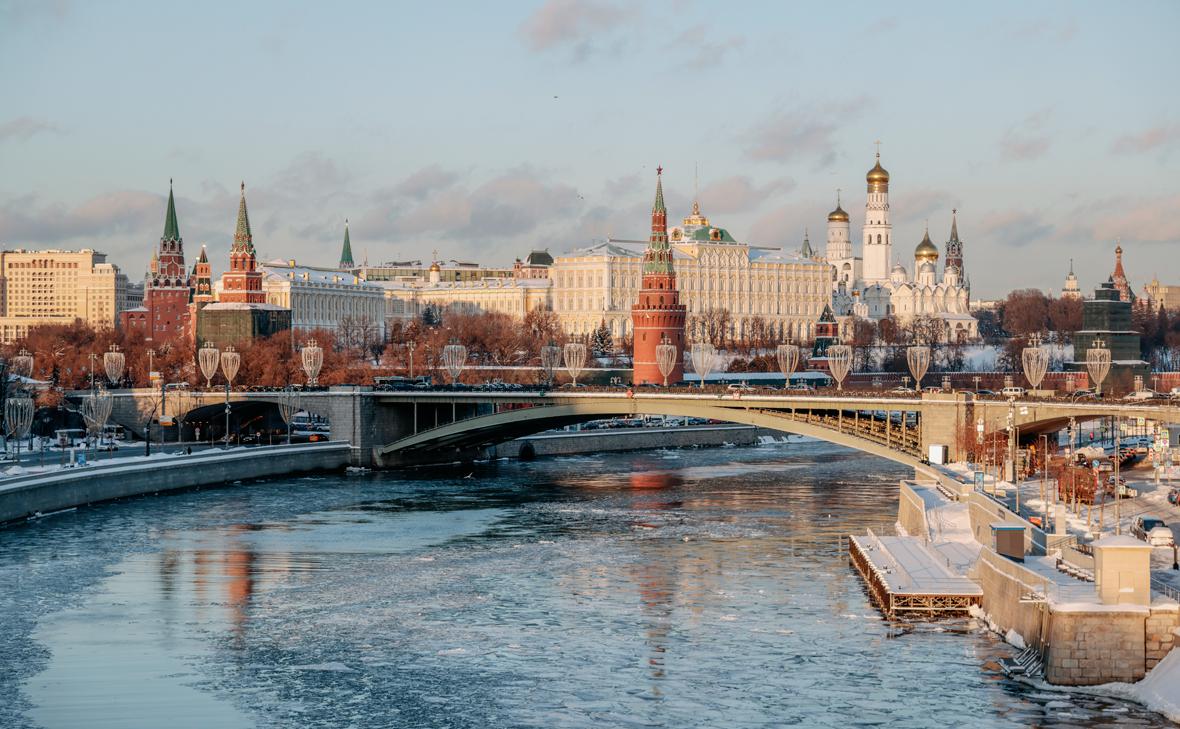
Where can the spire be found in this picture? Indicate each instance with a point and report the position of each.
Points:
(346, 251)
(204, 257)
(243, 239)
(806, 251)
(171, 228)
(954, 225)
(658, 257)
(658, 206)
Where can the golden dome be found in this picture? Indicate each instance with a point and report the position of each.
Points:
(435, 267)
(838, 215)
(926, 252)
(878, 177)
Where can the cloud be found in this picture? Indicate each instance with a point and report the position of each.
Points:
(424, 182)
(25, 220)
(1027, 140)
(514, 204)
(921, 204)
(576, 24)
(1016, 228)
(1041, 29)
(23, 127)
(738, 194)
(785, 136)
(1158, 136)
(1152, 220)
(705, 49)
(16, 13)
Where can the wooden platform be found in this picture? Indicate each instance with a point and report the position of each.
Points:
(904, 576)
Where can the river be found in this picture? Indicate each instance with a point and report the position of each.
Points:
(689, 588)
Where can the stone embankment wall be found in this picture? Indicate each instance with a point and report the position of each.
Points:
(911, 512)
(985, 512)
(1160, 634)
(44, 493)
(632, 439)
(1088, 648)
(1004, 583)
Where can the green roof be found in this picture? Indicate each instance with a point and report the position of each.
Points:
(242, 236)
(706, 234)
(171, 228)
(346, 252)
(659, 203)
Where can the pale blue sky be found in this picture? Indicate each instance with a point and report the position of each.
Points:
(487, 129)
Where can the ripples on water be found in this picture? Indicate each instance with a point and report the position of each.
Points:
(702, 588)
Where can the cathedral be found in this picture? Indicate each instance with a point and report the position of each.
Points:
(867, 287)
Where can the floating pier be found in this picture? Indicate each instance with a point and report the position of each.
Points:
(905, 577)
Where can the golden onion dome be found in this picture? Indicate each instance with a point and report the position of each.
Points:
(926, 250)
(838, 215)
(878, 177)
(435, 267)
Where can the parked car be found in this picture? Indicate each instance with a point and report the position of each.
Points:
(801, 387)
(739, 387)
(1084, 395)
(1142, 395)
(1013, 391)
(985, 392)
(903, 390)
(1152, 530)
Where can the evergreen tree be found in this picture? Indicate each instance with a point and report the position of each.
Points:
(602, 343)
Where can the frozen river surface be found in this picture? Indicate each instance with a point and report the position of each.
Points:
(696, 588)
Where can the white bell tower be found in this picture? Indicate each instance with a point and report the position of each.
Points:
(878, 245)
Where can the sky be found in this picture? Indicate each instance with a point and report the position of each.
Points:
(485, 130)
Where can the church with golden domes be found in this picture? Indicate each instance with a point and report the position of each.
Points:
(867, 287)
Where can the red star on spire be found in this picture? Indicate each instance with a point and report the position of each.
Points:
(659, 170)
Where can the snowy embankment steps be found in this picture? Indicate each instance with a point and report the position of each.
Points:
(44, 493)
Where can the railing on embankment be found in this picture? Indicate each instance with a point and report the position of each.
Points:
(43, 493)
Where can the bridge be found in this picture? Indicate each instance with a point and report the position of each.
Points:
(418, 427)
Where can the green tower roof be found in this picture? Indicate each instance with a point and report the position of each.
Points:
(171, 228)
(346, 252)
(243, 239)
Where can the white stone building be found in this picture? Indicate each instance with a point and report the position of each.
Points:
(321, 298)
(870, 288)
(600, 283)
(408, 297)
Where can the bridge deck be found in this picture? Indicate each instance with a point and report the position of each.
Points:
(904, 576)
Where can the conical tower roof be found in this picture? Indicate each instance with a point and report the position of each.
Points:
(204, 257)
(346, 251)
(243, 238)
(171, 227)
(806, 251)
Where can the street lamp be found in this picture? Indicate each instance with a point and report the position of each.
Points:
(313, 360)
(454, 357)
(703, 354)
(788, 360)
(208, 357)
(411, 346)
(575, 360)
(113, 362)
(551, 355)
(1098, 363)
(1035, 359)
(839, 362)
(666, 357)
(918, 358)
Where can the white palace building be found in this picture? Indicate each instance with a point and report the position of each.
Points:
(600, 283)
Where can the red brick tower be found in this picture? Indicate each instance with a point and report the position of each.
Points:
(658, 316)
(164, 315)
(242, 283)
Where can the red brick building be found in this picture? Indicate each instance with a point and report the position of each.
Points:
(164, 315)
(658, 316)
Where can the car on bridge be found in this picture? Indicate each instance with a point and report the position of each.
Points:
(1013, 391)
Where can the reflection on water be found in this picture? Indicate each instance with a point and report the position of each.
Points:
(700, 591)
